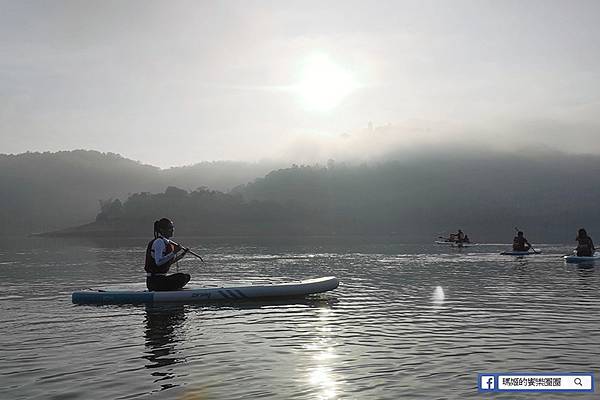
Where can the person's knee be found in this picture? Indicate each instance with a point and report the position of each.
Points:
(183, 279)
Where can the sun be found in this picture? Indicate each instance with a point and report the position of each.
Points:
(323, 84)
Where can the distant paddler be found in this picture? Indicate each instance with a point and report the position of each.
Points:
(585, 245)
(458, 237)
(520, 243)
(161, 253)
(461, 238)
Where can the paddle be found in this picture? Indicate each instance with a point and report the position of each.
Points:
(530, 245)
(188, 250)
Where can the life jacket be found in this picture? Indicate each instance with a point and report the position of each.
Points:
(151, 267)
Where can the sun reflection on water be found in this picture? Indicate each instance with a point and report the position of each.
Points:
(320, 374)
(322, 378)
(438, 298)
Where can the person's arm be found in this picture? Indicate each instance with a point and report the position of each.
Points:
(158, 247)
(179, 257)
(176, 249)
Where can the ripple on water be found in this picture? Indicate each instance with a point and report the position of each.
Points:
(399, 321)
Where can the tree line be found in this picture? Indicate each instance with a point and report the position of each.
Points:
(43, 191)
(486, 196)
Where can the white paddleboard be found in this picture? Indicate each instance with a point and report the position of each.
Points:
(192, 295)
(582, 259)
(519, 253)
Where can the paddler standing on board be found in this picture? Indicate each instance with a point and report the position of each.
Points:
(161, 253)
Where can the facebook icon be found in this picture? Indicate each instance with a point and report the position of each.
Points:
(487, 383)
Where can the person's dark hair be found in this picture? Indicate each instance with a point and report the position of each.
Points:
(581, 233)
(520, 233)
(161, 225)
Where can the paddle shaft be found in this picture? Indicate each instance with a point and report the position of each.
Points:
(188, 250)
(194, 254)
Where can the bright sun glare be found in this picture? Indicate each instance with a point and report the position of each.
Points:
(323, 84)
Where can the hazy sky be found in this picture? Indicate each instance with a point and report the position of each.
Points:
(174, 82)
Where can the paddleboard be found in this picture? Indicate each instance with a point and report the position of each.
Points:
(193, 295)
(581, 259)
(519, 253)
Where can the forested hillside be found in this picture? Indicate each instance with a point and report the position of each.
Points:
(487, 195)
(47, 191)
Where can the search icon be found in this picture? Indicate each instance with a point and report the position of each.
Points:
(577, 381)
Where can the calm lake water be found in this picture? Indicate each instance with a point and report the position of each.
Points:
(408, 321)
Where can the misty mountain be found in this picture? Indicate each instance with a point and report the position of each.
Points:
(485, 194)
(47, 191)
(217, 175)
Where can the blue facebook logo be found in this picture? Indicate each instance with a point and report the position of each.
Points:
(487, 382)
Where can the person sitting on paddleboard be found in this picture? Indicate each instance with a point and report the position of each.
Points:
(161, 253)
(520, 243)
(585, 245)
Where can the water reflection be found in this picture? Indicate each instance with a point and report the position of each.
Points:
(438, 298)
(321, 375)
(321, 378)
(162, 326)
(379, 341)
(586, 271)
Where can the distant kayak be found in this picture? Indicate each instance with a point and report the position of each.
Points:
(520, 253)
(581, 259)
(193, 295)
(455, 244)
